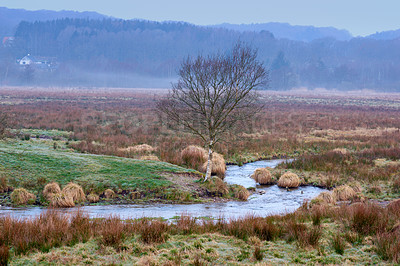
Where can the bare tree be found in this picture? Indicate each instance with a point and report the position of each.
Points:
(214, 93)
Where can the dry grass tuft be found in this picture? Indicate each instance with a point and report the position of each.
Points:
(109, 194)
(93, 198)
(289, 180)
(262, 176)
(153, 231)
(75, 191)
(135, 195)
(241, 193)
(344, 192)
(61, 200)
(341, 151)
(21, 196)
(194, 156)
(396, 184)
(51, 189)
(216, 187)
(4, 255)
(218, 165)
(138, 149)
(327, 197)
(3, 184)
(149, 158)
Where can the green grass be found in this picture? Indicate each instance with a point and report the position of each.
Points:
(34, 163)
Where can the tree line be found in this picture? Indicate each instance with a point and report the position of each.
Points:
(155, 49)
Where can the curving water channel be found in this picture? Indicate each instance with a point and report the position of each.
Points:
(274, 200)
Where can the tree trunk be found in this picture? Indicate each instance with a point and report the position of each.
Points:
(209, 162)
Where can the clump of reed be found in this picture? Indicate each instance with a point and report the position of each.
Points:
(93, 198)
(61, 200)
(240, 192)
(196, 157)
(344, 193)
(216, 187)
(289, 180)
(326, 198)
(51, 189)
(262, 176)
(109, 194)
(75, 192)
(21, 196)
(153, 231)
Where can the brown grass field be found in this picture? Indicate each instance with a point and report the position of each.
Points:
(345, 142)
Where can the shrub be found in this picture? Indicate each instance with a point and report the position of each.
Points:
(51, 189)
(262, 176)
(344, 192)
(289, 180)
(61, 200)
(75, 192)
(109, 194)
(21, 196)
(93, 198)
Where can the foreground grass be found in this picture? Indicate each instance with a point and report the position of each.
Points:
(356, 234)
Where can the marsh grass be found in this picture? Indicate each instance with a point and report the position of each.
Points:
(53, 229)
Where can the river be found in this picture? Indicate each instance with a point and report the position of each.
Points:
(265, 201)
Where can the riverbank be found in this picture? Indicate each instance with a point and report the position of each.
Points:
(33, 163)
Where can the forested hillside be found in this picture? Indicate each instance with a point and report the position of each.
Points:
(124, 52)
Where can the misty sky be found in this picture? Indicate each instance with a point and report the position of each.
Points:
(360, 17)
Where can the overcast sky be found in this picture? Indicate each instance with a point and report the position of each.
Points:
(360, 17)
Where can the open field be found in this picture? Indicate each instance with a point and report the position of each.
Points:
(96, 138)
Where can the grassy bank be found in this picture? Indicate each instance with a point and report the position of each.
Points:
(356, 234)
(33, 163)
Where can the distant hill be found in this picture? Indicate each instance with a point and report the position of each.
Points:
(10, 18)
(386, 35)
(287, 31)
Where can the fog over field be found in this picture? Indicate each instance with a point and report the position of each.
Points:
(89, 49)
